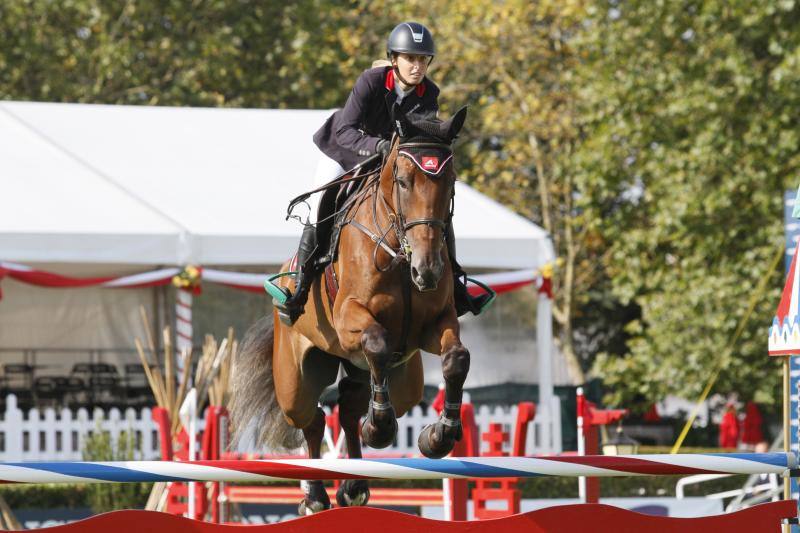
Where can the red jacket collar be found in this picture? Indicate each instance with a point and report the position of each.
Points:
(420, 89)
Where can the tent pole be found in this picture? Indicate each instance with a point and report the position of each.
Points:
(544, 343)
(787, 440)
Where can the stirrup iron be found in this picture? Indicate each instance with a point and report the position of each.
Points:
(488, 291)
(278, 293)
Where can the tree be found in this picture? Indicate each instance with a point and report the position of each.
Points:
(511, 61)
(691, 139)
(243, 54)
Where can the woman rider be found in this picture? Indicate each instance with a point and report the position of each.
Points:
(362, 128)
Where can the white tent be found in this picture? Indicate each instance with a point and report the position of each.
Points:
(159, 185)
(94, 189)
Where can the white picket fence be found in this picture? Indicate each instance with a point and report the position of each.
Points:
(50, 435)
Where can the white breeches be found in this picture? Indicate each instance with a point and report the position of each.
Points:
(327, 170)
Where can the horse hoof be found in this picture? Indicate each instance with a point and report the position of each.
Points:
(434, 446)
(316, 499)
(353, 492)
(308, 507)
(378, 437)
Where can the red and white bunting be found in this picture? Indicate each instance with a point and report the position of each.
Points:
(500, 282)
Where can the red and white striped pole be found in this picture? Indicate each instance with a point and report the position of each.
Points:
(187, 284)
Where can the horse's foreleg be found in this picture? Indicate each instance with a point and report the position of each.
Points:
(437, 440)
(354, 398)
(316, 497)
(380, 426)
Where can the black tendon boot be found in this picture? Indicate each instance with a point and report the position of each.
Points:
(295, 304)
(464, 301)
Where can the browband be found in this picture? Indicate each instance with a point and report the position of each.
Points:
(429, 164)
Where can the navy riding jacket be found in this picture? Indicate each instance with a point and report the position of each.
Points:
(352, 133)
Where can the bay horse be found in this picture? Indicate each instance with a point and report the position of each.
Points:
(395, 298)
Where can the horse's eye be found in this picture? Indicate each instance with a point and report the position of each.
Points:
(402, 183)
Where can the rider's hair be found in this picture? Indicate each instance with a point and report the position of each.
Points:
(381, 63)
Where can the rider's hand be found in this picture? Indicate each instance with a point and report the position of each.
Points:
(383, 147)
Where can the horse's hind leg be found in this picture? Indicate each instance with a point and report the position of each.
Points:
(353, 401)
(316, 497)
(297, 389)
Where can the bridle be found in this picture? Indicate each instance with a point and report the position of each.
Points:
(397, 220)
(399, 225)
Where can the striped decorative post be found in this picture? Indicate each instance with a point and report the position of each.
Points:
(183, 322)
(188, 284)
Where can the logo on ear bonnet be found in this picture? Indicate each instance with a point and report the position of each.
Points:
(430, 163)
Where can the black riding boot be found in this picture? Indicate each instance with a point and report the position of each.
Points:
(464, 301)
(295, 304)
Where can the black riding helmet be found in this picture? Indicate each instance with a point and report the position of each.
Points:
(410, 38)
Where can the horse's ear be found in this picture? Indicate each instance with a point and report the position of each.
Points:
(454, 125)
(401, 123)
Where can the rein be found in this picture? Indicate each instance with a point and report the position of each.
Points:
(337, 182)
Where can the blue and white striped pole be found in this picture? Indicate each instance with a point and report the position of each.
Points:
(403, 468)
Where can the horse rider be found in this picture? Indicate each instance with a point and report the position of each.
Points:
(363, 128)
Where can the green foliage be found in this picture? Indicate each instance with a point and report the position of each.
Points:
(103, 497)
(242, 54)
(44, 496)
(689, 146)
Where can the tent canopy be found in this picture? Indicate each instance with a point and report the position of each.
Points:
(158, 185)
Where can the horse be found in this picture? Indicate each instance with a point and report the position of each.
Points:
(394, 298)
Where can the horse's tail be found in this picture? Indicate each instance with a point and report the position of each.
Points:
(254, 407)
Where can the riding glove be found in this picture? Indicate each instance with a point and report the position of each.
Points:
(383, 147)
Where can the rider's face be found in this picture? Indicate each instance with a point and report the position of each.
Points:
(412, 67)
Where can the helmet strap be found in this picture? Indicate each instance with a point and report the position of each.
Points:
(399, 77)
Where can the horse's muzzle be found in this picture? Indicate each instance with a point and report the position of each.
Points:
(427, 277)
